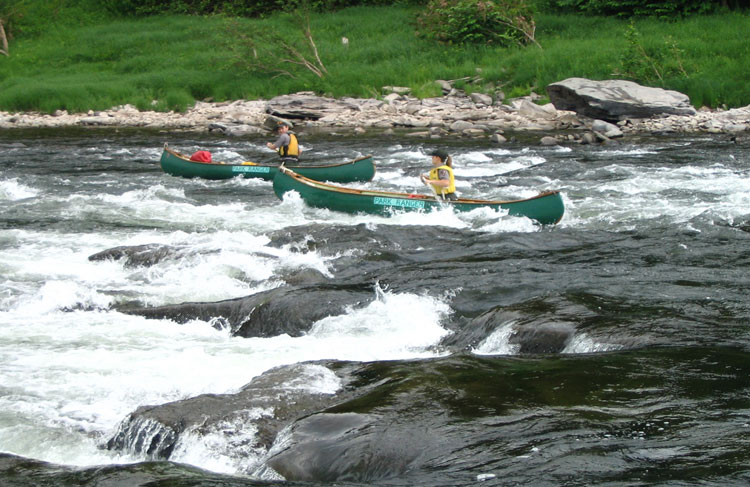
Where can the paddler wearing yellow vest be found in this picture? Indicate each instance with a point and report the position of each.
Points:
(441, 176)
(286, 144)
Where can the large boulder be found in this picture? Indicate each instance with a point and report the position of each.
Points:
(306, 105)
(614, 100)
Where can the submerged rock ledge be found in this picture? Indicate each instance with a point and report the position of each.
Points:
(455, 115)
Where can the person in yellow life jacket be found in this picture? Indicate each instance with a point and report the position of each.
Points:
(441, 176)
(286, 144)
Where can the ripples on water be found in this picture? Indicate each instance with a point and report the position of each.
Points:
(455, 348)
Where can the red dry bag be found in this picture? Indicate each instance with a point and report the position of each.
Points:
(201, 156)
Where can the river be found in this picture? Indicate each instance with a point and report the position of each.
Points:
(440, 349)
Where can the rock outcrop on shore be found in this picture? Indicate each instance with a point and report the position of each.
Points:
(615, 100)
(455, 114)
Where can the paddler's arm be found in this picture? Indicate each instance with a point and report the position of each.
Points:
(437, 182)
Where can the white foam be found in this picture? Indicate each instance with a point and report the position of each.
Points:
(88, 369)
(581, 343)
(228, 447)
(498, 342)
(675, 194)
(393, 326)
(12, 190)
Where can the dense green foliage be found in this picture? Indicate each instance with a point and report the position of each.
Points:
(254, 8)
(78, 60)
(665, 9)
(27, 18)
(242, 8)
(502, 22)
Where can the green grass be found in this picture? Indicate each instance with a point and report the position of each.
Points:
(168, 62)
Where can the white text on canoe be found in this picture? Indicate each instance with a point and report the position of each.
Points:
(379, 200)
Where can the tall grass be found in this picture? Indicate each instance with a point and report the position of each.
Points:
(166, 63)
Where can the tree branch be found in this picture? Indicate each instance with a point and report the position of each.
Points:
(526, 28)
(270, 50)
(308, 34)
(3, 40)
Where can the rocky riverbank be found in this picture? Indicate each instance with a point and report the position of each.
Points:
(455, 114)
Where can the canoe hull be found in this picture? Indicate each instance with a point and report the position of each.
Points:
(546, 208)
(176, 164)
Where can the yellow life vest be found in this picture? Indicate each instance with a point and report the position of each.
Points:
(291, 150)
(439, 189)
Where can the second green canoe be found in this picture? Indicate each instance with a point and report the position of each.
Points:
(546, 208)
(176, 164)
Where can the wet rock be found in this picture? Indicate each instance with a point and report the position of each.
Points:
(498, 138)
(218, 127)
(282, 423)
(543, 338)
(531, 327)
(305, 277)
(328, 447)
(588, 138)
(247, 420)
(138, 255)
(18, 471)
(288, 310)
(607, 129)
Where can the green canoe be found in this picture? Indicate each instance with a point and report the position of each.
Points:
(546, 208)
(176, 164)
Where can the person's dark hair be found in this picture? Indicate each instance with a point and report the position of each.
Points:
(443, 156)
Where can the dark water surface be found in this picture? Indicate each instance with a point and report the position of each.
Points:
(332, 349)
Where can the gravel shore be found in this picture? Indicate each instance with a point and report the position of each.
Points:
(463, 116)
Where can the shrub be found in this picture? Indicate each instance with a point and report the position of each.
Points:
(652, 64)
(501, 22)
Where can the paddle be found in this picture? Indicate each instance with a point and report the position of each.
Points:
(513, 171)
(434, 191)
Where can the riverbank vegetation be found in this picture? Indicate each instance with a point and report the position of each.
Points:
(85, 55)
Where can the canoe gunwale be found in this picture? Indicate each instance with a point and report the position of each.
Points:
(281, 165)
(392, 194)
